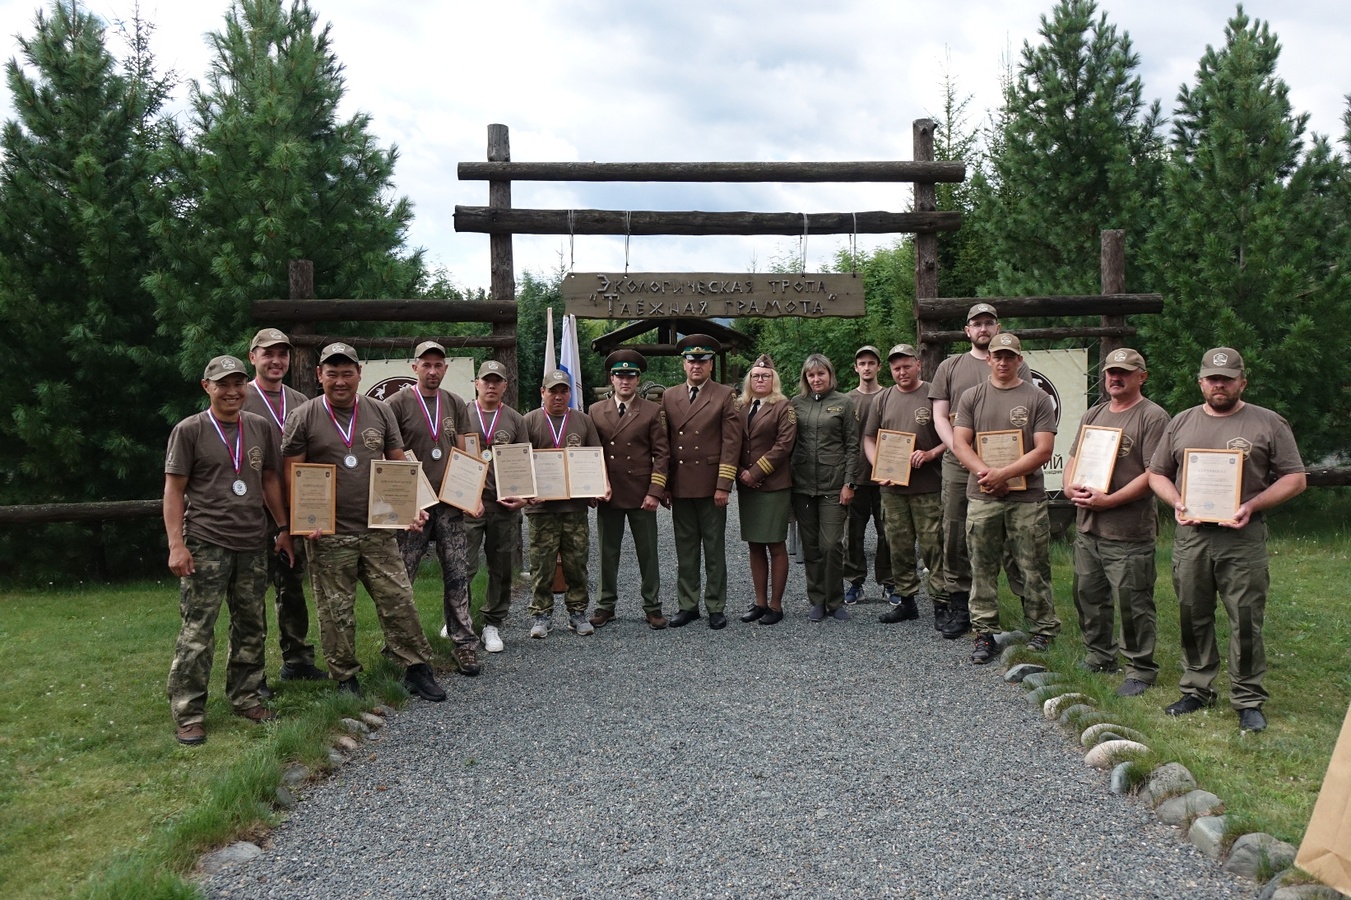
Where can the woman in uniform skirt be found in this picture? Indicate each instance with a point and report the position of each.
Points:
(824, 463)
(764, 484)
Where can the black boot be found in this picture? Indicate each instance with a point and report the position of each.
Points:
(941, 613)
(909, 610)
(897, 612)
(959, 616)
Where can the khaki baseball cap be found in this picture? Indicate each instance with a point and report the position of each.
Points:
(868, 348)
(981, 309)
(1006, 341)
(223, 367)
(555, 378)
(1223, 361)
(334, 351)
(902, 350)
(428, 347)
(1125, 358)
(492, 367)
(269, 337)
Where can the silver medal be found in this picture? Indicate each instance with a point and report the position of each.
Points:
(487, 455)
(436, 453)
(350, 461)
(239, 487)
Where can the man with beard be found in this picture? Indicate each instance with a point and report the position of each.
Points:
(1228, 557)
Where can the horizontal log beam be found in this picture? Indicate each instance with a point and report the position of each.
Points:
(493, 220)
(947, 308)
(494, 341)
(383, 311)
(1037, 334)
(50, 513)
(861, 171)
(1329, 476)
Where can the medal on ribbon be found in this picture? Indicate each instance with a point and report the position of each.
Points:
(488, 430)
(236, 453)
(350, 460)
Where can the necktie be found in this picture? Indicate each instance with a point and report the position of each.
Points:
(755, 408)
(694, 392)
(622, 407)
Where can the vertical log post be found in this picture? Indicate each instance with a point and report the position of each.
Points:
(1113, 266)
(501, 264)
(300, 274)
(926, 249)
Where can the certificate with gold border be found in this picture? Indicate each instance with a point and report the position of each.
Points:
(314, 494)
(1212, 484)
(462, 485)
(894, 449)
(1002, 448)
(1095, 457)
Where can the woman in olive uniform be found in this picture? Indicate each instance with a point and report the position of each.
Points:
(824, 463)
(763, 486)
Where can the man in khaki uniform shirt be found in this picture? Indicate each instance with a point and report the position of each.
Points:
(867, 503)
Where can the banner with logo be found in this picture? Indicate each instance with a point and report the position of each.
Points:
(1063, 374)
(381, 379)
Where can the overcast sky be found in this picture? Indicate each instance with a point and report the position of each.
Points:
(632, 80)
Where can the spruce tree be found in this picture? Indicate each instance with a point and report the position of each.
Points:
(83, 379)
(1078, 152)
(1249, 251)
(266, 173)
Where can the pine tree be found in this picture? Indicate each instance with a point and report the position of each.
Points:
(1078, 152)
(83, 378)
(268, 173)
(1249, 251)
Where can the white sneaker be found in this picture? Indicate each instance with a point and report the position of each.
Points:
(541, 627)
(445, 632)
(492, 641)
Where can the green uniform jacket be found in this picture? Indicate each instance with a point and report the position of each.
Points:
(825, 457)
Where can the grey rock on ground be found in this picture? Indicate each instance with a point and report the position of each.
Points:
(1042, 679)
(1019, 673)
(1307, 892)
(1072, 714)
(1166, 781)
(844, 759)
(1107, 754)
(1207, 835)
(1120, 780)
(1177, 810)
(228, 857)
(1010, 639)
(1258, 855)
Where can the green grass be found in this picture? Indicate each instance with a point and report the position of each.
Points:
(1269, 781)
(96, 795)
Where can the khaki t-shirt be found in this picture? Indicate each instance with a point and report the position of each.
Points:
(1026, 408)
(310, 431)
(1142, 428)
(274, 406)
(862, 403)
(897, 410)
(215, 513)
(507, 428)
(577, 430)
(1268, 445)
(417, 434)
(958, 374)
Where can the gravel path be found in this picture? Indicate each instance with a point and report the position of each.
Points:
(835, 760)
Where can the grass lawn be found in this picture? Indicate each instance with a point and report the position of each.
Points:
(97, 798)
(1269, 781)
(90, 771)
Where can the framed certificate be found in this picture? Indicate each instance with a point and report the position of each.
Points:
(1095, 457)
(551, 474)
(393, 494)
(586, 472)
(513, 471)
(462, 486)
(1212, 484)
(471, 444)
(314, 493)
(426, 494)
(1001, 448)
(894, 449)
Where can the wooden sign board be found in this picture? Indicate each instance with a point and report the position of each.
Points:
(706, 295)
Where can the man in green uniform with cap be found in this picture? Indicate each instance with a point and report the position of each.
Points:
(1218, 552)
(637, 454)
(704, 431)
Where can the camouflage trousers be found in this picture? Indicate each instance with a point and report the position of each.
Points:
(911, 519)
(445, 526)
(996, 527)
(293, 613)
(337, 563)
(868, 506)
(820, 527)
(1116, 575)
(238, 580)
(498, 532)
(565, 534)
(1211, 560)
(956, 559)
